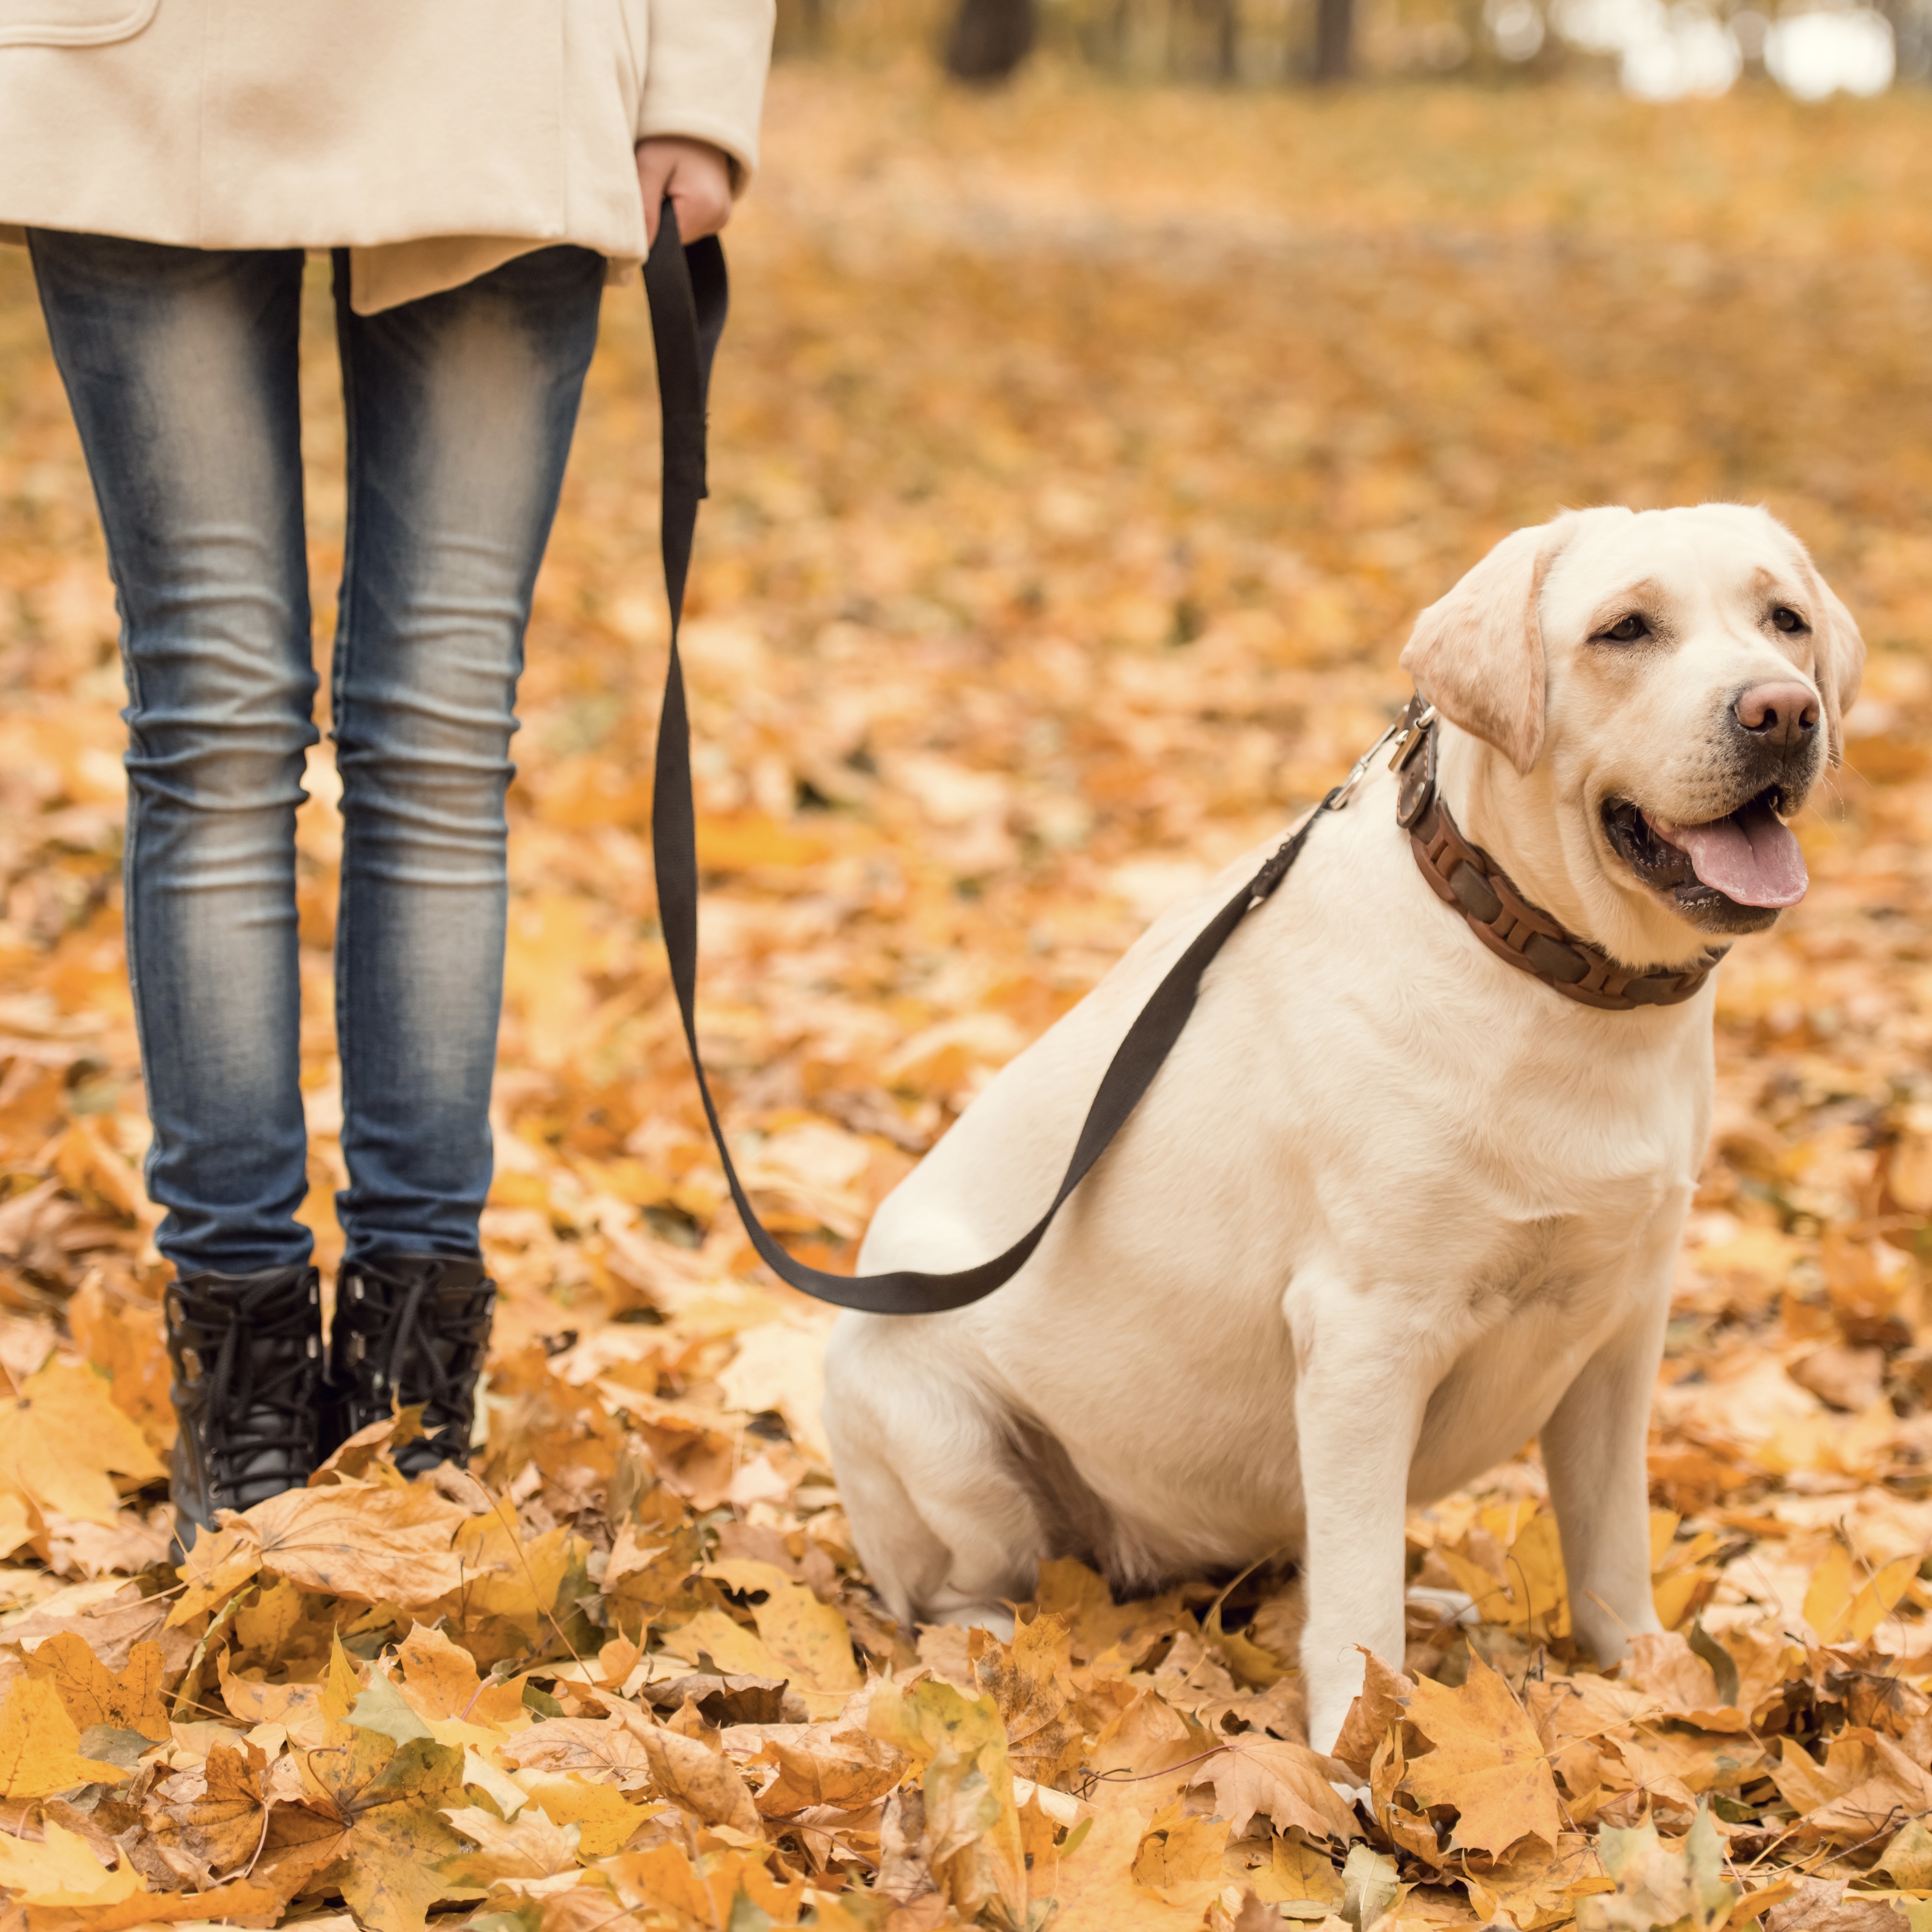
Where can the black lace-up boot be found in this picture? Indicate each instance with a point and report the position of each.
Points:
(409, 1329)
(247, 1351)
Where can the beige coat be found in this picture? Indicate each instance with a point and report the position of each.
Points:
(434, 138)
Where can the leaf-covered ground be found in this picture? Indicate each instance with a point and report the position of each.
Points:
(1081, 458)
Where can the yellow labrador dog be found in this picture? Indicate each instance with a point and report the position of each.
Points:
(1408, 1189)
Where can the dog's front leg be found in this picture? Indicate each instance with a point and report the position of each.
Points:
(1593, 1450)
(1360, 1393)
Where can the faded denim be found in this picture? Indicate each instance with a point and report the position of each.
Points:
(181, 367)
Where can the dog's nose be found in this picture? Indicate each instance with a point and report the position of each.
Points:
(1779, 714)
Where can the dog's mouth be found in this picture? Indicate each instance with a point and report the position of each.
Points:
(1737, 872)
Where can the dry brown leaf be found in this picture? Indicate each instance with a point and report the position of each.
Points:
(697, 1779)
(1488, 1762)
(1894, 1789)
(362, 1540)
(529, 1846)
(828, 1764)
(594, 1744)
(1379, 1704)
(1100, 1627)
(1824, 1905)
(226, 1825)
(1287, 1783)
(1031, 1680)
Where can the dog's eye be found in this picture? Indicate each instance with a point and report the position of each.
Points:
(1627, 630)
(1786, 619)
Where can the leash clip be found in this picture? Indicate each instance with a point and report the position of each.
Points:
(1413, 733)
(1359, 770)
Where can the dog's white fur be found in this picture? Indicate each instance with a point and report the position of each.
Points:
(1391, 1207)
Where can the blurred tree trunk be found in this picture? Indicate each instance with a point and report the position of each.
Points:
(1224, 19)
(989, 38)
(1334, 39)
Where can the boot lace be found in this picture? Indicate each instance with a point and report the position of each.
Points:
(257, 1410)
(417, 1340)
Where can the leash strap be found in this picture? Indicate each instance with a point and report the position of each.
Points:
(688, 293)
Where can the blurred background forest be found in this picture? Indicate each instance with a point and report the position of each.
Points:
(1657, 50)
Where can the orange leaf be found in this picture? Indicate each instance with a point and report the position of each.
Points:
(1488, 1762)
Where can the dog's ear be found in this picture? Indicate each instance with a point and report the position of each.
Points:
(1839, 658)
(1477, 654)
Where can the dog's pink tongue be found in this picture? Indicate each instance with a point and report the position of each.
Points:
(1751, 857)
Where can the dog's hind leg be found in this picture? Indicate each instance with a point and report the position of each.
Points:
(941, 1518)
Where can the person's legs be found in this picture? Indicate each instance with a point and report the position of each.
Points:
(181, 365)
(461, 408)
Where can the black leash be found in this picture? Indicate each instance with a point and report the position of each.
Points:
(688, 293)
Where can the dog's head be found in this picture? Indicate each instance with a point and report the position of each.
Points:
(1669, 685)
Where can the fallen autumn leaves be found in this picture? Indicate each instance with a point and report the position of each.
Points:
(1016, 616)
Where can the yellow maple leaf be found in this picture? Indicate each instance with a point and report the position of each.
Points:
(705, 1891)
(62, 1870)
(1098, 1888)
(1031, 1680)
(606, 1820)
(92, 1694)
(1102, 1629)
(62, 1441)
(811, 1640)
(389, 1799)
(1842, 1609)
(225, 1826)
(1176, 1852)
(504, 1576)
(122, 1338)
(17, 1523)
(1296, 1870)
(960, 1744)
(40, 1744)
(217, 1566)
(736, 1650)
(1488, 1762)
(441, 1683)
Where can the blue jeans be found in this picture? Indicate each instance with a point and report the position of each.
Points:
(181, 365)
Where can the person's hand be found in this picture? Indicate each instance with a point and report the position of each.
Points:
(695, 175)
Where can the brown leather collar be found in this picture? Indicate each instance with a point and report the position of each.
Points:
(1464, 876)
